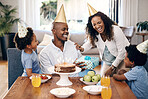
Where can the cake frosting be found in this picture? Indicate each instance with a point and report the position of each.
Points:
(65, 68)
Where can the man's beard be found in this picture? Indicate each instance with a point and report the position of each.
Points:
(63, 41)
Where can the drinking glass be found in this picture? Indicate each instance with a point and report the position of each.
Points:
(105, 81)
(106, 93)
(36, 80)
(102, 81)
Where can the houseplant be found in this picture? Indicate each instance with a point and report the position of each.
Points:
(7, 20)
(142, 26)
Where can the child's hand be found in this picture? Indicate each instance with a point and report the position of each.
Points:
(119, 77)
(121, 71)
(115, 76)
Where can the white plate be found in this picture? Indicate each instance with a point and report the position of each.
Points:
(62, 92)
(43, 80)
(93, 89)
(88, 83)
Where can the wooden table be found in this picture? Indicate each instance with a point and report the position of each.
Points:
(143, 35)
(22, 89)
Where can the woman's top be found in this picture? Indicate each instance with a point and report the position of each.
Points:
(116, 46)
(108, 58)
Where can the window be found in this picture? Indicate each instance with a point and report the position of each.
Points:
(76, 12)
(48, 10)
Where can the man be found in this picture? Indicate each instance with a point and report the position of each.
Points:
(60, 49)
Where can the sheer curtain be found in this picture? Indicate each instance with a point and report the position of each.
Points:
(29, 12)
(77, 11)
(128, 12)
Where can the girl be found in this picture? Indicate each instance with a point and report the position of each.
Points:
(25, 40)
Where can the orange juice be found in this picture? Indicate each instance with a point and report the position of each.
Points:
(109, 93)
(103, 93)
(36, 81)
(102, 81)
(106, 93)
(105, 81)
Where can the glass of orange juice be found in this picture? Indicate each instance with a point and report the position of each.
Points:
(106, 93)
(105, 81)
(102, 81)
(36, 80)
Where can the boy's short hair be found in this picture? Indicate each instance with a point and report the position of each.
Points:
(136, 56)
(21, 43)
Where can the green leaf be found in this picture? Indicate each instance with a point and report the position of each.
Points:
(7, 18)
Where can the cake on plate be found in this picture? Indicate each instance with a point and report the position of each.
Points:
(65, 68)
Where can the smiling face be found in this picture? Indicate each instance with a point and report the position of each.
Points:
(60, 31)
(98, 24)
(34, 42)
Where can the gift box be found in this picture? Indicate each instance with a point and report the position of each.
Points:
(91, 62)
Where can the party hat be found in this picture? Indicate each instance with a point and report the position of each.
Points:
(61, 15)
(22, 31)
(91, 10)
(143, 47)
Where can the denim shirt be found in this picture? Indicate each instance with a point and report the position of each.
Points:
(108, 58)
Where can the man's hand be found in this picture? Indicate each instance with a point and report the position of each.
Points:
(78, 47)
(80, 64)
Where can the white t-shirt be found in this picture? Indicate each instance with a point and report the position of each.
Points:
(52, 55)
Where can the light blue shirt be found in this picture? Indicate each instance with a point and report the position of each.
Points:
(138, 81)
(30, 61)
(108, 58)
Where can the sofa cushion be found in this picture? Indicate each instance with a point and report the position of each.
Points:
(46, 40)
(39, 48)
(78, 37)
(92, 51)
(40, 34)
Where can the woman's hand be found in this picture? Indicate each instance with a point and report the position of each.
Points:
(78, 47)
(110, 71)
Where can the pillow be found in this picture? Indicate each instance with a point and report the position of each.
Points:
(46, 40)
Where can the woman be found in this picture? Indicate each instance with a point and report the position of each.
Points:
(110, 41)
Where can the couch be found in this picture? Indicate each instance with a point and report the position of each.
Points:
(77, 37)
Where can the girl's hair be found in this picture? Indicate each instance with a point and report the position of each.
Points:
(108, 27)
(21, 43)
(136, 56)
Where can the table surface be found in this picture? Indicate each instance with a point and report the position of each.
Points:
(22, 89)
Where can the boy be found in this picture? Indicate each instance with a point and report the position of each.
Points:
(137, 77)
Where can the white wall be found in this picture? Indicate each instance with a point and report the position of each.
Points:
(142, 16)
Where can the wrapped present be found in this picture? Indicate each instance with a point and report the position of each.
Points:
(91, 62)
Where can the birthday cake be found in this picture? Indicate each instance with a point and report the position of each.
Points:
(65, 68)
